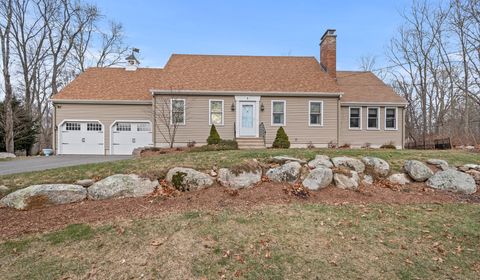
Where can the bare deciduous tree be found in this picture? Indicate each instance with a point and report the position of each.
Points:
(170, 114)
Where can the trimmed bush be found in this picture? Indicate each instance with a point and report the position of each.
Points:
(389, 145)
(223, 145)
(281, 139)
(214, 137)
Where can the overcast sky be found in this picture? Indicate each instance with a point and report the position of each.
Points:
(248, 27)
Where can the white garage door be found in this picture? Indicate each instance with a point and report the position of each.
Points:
(126, 136)
(81, 137)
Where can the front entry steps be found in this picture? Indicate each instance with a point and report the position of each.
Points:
(250, 143)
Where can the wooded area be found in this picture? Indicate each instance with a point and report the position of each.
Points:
(44, 45)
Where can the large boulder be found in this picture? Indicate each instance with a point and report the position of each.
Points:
(120, 185)
(345, 181)
(377, 166)
(399, 179)
(285, 159)
(289, 172)
(417, 170)
(318, 178)
(348, 162)
(240, 177)
(475, 175)
(7, 155)
(440, 163)
(320, 160)
(188, 179)
(469, 166)
(452, 180)
(41, 195)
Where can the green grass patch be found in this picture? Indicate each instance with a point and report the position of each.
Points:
(74, 232)
(205, 160)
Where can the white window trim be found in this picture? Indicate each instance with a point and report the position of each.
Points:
(284, 113)
(396, 118)
(184, 110)
(321, 115)
(210, 111)
(350, 116)
(378, 119)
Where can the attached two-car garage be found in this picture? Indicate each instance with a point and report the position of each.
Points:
(87, 137)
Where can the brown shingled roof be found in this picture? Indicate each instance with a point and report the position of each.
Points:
(361, 86)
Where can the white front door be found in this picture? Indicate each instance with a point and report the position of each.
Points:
(248, 121)
(126, 136)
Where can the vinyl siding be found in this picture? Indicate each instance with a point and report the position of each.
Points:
(359, 137)
(197, 126)
(106, 114)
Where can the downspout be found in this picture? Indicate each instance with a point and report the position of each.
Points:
(403, 128)
(154, 121)
(54, 128)
(338, 121)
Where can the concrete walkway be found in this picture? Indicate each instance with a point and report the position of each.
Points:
(43, 163)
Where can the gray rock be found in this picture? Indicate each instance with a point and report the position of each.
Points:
(399, 178)
(4, 189)
(289, 172)
(452, 180)
(318, 178)
(85, 182)
(377, 166)
(440, 163)
(119, 186)
(320, 160)
(242, 180)
(348, 162)
(367, 180)
(191, 179)
(41, 195)
(417, 170)
(347, 182)
(469, 166)
(7, 155)
(285, 159)
(475, 175)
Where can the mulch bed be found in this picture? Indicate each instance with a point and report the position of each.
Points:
(15, 223)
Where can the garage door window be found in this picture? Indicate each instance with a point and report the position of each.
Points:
(94, 127)
(143, 127)
(124, 127)
(72, 126)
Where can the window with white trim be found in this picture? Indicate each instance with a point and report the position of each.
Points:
(390, 118)
(373, 118)
(315, 113)
(216, 112)
(122, 126)
(278, 112)
(94, 126)
(355, 118)
(177, 111)
(143, 127)
(72, 126)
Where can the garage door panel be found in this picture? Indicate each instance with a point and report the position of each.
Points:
(126, 136)
(81, 137)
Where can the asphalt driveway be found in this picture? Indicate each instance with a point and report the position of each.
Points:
(43, 163)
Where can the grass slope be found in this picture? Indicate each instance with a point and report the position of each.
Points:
(296, 241)
(204, 161)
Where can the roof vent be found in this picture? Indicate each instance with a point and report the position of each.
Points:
(132, 61)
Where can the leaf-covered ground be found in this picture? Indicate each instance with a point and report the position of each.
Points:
(293, 241)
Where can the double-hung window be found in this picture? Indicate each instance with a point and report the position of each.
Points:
(315, 112)
(177, 111)
(355, 119)
(278, 112)
(373, 118)
(216, 112)
(390, 118)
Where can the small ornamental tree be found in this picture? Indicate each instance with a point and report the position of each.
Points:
(214, 137)
(281, 139)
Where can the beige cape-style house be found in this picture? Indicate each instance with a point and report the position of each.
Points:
(114, 110)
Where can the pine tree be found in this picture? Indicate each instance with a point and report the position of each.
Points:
(281, 139)
(214, 137)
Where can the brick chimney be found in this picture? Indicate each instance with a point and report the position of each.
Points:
(328, 52)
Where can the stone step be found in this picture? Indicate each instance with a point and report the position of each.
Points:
(250, 143)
